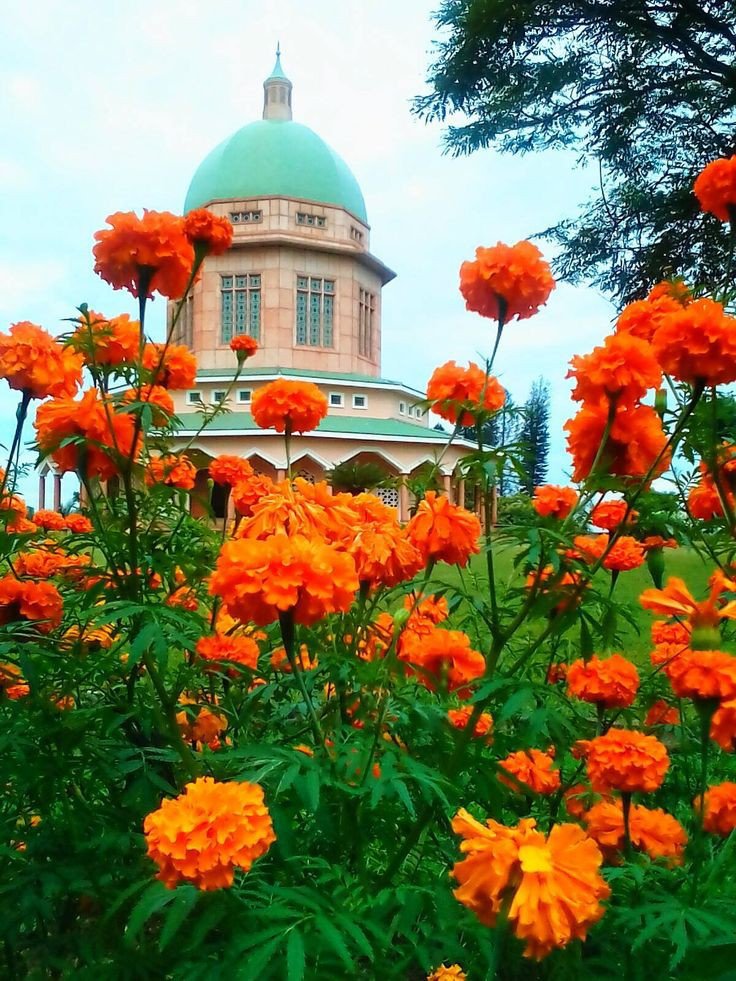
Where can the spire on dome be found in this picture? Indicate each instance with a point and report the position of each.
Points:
(277, 92)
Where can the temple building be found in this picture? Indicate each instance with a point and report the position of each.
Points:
(301, 279)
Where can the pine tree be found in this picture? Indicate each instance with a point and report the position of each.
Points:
(534, 436)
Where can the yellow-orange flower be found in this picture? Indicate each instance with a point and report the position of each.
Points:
(551, 501)
(229, 470)
(38, 602)
(723, 725)
(220, 649)
(506, 281)
(626, 552)
(624, 760)
(208, 233)
(207, 832)
(110, 342)
(609, 681)
(444, 532)
(719, 808)
(442, 658)
(483, 729)
(173, 470)
(642, 317)
(715, 188)
(677, 600)
(49, 520)
(33, 362)
(244, 346)
(78, 524)
(672, 632)
(258, 580)
(704, 501)
(533, 769)
(610, 514)
(697, 344)
(171, 366)
(383, 553)
(452, 973)
(661, 714)
(703, 675)
(550, 887)
(460, 395)
(652, 831)
(297, 508)
(144, 255)
(201, 725)
(247, 493)
(155, 396)
(305, 661)
(623, 370)
(635, 441)
(288, 406)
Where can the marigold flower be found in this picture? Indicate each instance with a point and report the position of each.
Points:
(626, 552)
(557, 673)
(697, 344)
(704, 501)
(39, 602)
(674, 289)
(483, 729)
(677, 600)
(201, 725)
(622, 370)
(609, 681)
(184, 597)
(231, 650)
(661, 714)
(635, 441)
(550, 886)
(442, 658)
(551, 501)
(652, 831)
(723, 725)
(703, 675)
(78, 524)
(258, 580)
(383, 554)
(172, 470)
(229, 470)
(288, 406)
(299, 508)
(624, 760)
(719, 808)
(107, 343)
(429, 610)
(33, 362)
(562, 583)
(207, 832)
(578, 799)
(208, 233)
(49, 520)
(643, 317)
(246, 493)
(506, 281)
(105, 434)
(532, 768)
(674, 632)
(452, 973)
(305, 661)
(460, 395)
(375, 638)
(715, 188)
(144, 255)
(172, 366)
(40, 563)
(608, 515)
(244, 346)
(155, 396)
(444, 532)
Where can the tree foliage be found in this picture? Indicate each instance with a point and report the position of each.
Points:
(644, 91)
(534, 436)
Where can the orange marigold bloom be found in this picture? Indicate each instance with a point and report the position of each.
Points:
(229, 470)
(723, 725)
(626, 552)
(208, 233)
(172, 366)
(703, 675)
(643, 317)
(578, 799)
(661, 714)
(258, 580)
(49, 520)
(452, 973)
(173, 470)
(674, 632)
(247, 493)
(442, 658)
(444, 532)
(704, 501)
(483, 729)
(533, 769)
(39, 602)
(624, 760)
(78, 524)
(635, 441)
(460, 395)
(300, 508)
(719, 809)
(506, 281)
(375, 638)
(609, 681)
(207, 832)
(550, 887)
(551, 501)
(429, 610)
(697, 344)
(288, 406)
(652, 831)
(104, 434)
(40, 563)
(201, 725)
(675, 289)
(305, 661)
(715, 188)
(610, 514)
(557, 673)
(677, 600)
(144, 255)
(383, 554)
(155, 396)
(33, 362)
(622, 370)
(244, 346)
(231, 650)
(107, 342)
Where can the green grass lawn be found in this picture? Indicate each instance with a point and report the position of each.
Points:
(685, 563)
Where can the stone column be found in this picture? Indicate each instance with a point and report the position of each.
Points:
(403, 498)
(461, 492)
(280, 475)
(447, 485)
(57, 491)
(42, 490)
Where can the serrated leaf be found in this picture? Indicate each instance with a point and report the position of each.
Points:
(178, 911)
(154, 899)
(295, 961)
(334, 939)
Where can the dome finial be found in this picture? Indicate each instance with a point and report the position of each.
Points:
(277, 91)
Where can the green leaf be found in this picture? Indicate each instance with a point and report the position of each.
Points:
(186, 900)
(295, 963)
(155, 898)
(335, 940)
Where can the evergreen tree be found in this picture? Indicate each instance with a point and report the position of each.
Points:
(534, 436)
(642, 90)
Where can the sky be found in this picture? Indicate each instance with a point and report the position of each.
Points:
(109, 107)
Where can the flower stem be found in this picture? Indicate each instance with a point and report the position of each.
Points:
(286, 623)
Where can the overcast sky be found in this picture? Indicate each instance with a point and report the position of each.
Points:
(111, 106)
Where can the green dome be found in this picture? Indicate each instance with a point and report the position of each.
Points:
(275, 157)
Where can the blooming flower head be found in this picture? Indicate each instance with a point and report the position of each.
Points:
(702, 617)
(652, 831)
(304, 659)
(229, 470)
(172, 470)
(642, 317)
(723, 725)
(551, 501)
(608, 515)
(288, 406)
(452, 973)
(222, 649)
(383, 553)
(460, 717)
(208, 233)
(33, 362)
(715, 188)
(660, 713)
(258, 580)
(624, 760)
(704, 500)
(172, 366)
(244, 346)
(550, 886)
(626, 552)
(442, 658)
(247, 493)
(505, 282)
(144, 255)
(49, 520)
(671, 632)
(78, 524)
(154, 397)
(297, 508)
(533, 769)
(623, 370)
(460, 395)
(719, 808)
(703, 675)
(636, 440)
(444, 532)
(207, 832)
(609, 681)
(37, 602)
(697, 344)
(104, 342)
